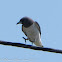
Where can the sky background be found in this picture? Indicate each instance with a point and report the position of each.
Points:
(48, 13)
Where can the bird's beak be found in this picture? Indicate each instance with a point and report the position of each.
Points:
(19, 22)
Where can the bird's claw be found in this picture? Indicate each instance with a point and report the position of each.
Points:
(27, 39)
(24, 39)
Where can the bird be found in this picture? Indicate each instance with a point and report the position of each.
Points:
(32, 30)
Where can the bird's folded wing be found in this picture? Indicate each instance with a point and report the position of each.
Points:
(38, 27)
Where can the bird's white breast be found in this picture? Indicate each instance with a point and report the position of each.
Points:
(33, 34)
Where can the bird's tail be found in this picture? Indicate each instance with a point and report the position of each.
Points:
(38, 44)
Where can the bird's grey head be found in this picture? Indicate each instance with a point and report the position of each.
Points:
(26, 21)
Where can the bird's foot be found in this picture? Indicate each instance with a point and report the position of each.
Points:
(25, 39)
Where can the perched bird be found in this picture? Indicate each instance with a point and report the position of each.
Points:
(32, 30)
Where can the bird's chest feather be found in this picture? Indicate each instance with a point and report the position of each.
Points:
(31, 32)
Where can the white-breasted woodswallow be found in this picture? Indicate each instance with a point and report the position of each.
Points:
(32, 30)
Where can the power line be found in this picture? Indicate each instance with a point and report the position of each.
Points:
(31, 47)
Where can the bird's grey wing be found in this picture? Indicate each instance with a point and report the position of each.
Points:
(38, 27)
(23, 30)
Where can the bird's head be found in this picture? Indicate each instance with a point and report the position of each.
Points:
(26, 21)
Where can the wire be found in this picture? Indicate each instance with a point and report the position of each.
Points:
(31, 47)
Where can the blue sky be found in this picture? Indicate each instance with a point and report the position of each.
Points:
(48, 13)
